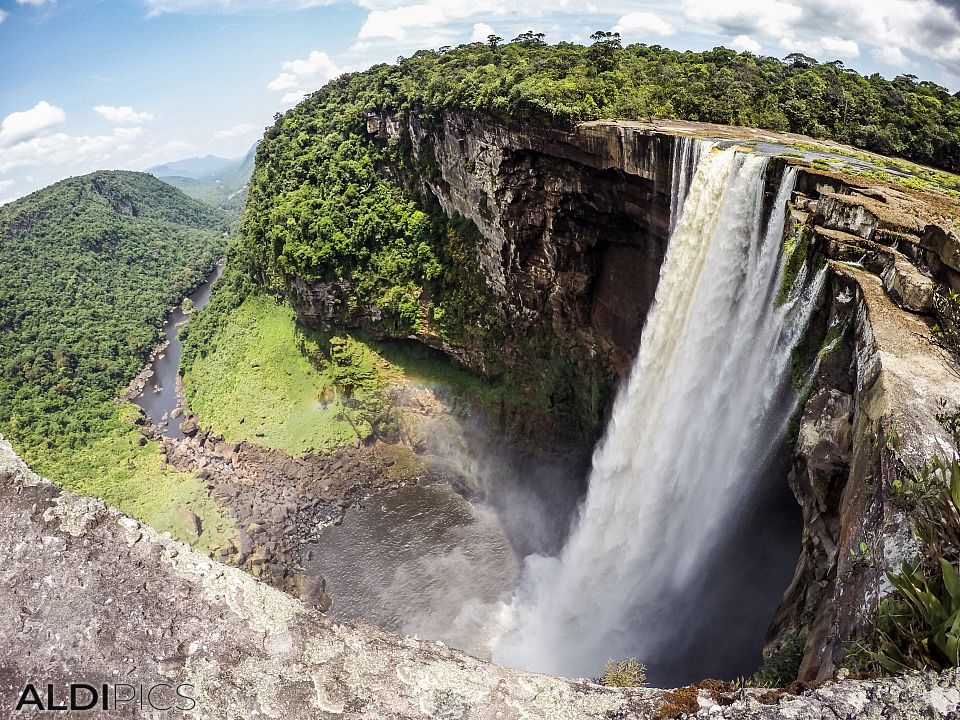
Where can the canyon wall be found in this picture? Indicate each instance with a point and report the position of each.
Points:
(574, 228)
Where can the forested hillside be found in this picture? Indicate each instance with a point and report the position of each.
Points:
(322, 209)
(91, 266)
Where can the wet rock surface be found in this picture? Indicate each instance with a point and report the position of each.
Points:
(89, 595)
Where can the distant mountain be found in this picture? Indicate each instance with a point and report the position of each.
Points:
(198, 168)
(215, 181)
(91, 266)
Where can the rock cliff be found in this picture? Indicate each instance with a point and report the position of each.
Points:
(90, 596)
(574, 227)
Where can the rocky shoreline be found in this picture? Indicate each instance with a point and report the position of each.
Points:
(280, 503)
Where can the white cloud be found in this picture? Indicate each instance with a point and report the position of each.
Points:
(885, 29)
(292, 98)
(745, 43)
(6, 184)
(122, 115)
(892, 56)
(235, 131)
(3, 16)
(36, 3)
(641, 24)
(480, 32)
(391, 20)
(63, 149)
(302, 76)
(824, 48)
(839, 46)
(770, 17)
(207, 7)
(18, 127)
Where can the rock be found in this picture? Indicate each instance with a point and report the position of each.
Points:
(191, 520)
(908, 287)
(190, 426)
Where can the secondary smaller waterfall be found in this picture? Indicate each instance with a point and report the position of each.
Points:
(706, 402)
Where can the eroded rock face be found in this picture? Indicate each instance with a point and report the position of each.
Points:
(88, 595)
(871, 416)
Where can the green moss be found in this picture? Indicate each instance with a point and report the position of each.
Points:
(796, 247)
(129, 473)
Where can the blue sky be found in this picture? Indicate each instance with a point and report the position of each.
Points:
(103, 84)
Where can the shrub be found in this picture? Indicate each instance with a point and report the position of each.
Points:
(624, 673)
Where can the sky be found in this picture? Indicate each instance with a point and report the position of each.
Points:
(112, 84)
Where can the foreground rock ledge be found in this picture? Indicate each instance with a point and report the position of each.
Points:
(89, 595)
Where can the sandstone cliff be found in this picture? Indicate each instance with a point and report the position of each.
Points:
(574, 228)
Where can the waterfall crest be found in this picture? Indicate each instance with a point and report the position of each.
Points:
(707, 398)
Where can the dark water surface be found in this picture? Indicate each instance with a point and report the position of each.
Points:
(420, 560)
(159, 397)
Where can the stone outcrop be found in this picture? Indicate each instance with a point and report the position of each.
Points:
(90, 596)
(879, 382)
(574, 227)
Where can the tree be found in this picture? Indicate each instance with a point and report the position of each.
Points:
(800, 60)
(494, 41)
(530, 39)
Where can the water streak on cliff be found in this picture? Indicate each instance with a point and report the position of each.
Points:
(691, 433)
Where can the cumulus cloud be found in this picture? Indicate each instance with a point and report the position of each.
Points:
(18, 127)
(641, 24)
(3, 16)
(889, 30)
(6, 185)
(302, 76)
(480, 32)
(63, 149)
(122, 115)
(745, 43)
(235, 131)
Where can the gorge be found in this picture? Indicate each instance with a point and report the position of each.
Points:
(427, 320)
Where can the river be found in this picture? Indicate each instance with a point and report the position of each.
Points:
(159, 397)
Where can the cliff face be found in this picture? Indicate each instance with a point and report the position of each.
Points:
(871, 417)
(574, 229)
(575, 226)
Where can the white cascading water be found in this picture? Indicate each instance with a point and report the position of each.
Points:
(706, 402)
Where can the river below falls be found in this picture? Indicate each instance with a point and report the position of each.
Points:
(159, 397)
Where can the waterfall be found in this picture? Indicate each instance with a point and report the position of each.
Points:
(707, 399)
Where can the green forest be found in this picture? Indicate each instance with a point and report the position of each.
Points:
(322, 208)
(91, 267)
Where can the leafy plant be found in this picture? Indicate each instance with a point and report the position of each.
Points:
(920, 628)
(624, 673)
(946, 306)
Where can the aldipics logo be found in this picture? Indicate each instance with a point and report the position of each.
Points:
(108, 696)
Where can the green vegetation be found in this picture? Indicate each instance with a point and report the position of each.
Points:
(781, 666)
(91, 267)
(624, 673)
(946, 304)
(268, 383)
(119, 466)
(918, 626)
(323, 210)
